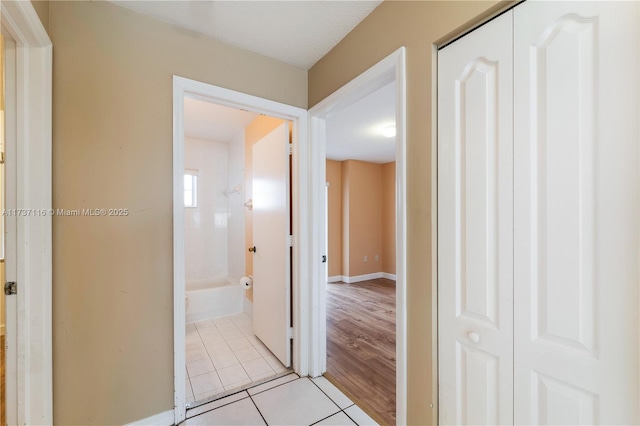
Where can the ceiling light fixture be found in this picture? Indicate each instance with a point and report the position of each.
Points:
(389, 131)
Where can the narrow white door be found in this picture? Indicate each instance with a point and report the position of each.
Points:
(475, 212)
(271, 230)
(576, 212)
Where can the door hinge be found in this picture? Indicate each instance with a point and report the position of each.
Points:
(290, 333)
(1, 157)
(290, 149)
(10, 288)
(290, 240)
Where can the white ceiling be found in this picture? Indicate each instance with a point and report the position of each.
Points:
(204, 120)
(354, 133)
(294, 32)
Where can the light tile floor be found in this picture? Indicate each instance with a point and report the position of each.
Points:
(288, 400)
(224, 354)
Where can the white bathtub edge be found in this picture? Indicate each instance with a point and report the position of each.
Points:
(247, 307)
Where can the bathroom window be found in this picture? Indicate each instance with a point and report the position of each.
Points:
(191, 188)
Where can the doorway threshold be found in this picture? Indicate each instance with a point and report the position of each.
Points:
(192, 407)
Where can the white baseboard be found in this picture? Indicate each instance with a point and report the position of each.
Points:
(366, 277)
(166, 418)
(359, 278)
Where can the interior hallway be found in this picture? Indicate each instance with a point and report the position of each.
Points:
(361, 344)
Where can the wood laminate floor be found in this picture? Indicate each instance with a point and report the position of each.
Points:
(361, 344)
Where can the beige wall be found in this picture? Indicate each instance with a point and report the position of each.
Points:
(389, 218)
(334, 217)
(364, 214)
(345, 172)
(415, 25)
(255, 131)
(360, 223)
(112, 147)
(42, 9)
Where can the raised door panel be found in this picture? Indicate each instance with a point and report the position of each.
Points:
(576, 212)
(475, 227)
(476, 176)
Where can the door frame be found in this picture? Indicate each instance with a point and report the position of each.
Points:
(299, 186)
(32, 124)
(390, 69)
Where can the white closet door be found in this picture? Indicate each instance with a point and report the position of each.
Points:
(475, 213)
(576, 212)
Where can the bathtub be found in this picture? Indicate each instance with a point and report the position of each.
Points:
(206, 299)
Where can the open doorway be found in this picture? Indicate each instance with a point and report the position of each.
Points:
(361, 293)
(388, 74)
(225, 150)
(237, 162)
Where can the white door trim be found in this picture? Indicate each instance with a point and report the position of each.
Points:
(391, 68)
(301, 224)
(33, 63)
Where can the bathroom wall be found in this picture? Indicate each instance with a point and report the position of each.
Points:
(236, 229)
(206, 225)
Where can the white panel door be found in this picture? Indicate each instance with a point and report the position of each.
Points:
(271, 259)
(576, 212)
(475, 213)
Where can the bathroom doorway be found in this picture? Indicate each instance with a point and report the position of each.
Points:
(230, 334)
(225, 151)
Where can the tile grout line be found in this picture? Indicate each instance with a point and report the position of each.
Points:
(224, 340)
(210, 360)
(347, 414)
(187, 370)
(325, 394)
(241, 362)
(259, 412)
(232, 351)
(272, 388)
(276, 386)
(223, 405)
(247, 391)
(331, 399)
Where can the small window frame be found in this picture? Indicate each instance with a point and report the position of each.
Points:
(191, 193)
